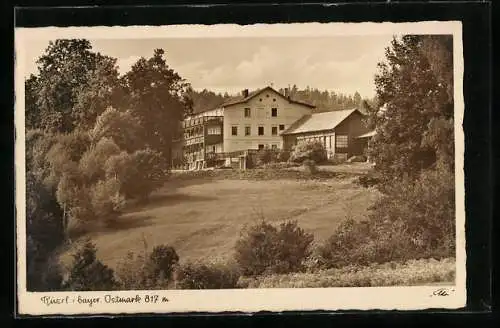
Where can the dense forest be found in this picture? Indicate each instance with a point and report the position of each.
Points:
(323, 100)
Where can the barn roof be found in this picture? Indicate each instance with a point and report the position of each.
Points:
(320, 121)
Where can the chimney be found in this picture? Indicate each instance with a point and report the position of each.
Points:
(244, 93)
(287, 92)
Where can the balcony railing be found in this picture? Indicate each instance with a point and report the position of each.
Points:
(202, 120)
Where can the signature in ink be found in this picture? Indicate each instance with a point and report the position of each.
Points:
(442, 292)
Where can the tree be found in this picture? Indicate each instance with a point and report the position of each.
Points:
(88, 273)
(414, 116)
(119, 126)
(158, 100)
(72, 87)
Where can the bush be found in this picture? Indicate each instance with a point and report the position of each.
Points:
(92, 161)
(415, 220)
(426, 209)
(368, 180)
(162, 261)
(87, 273)
(283, 156)
(198, 275)
(264, 248)
(310, 166)
(106, 199)
(409, 273)
(266, 156)
(148, 270)
(139, 173)
(308, 150)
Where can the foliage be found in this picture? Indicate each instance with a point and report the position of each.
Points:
(148, 270)
(265, 248)
(313, 150)
(158, 100)
(198, 275)
(205, 99)
(426, 207)
(139, 173)
(266, 156)
(106, 200)
(414, 220)
(325, 100)
(414, 116)
(87, 273)
(93, 160)
(310, 166)
(283, 155)
(162, 260)
(410, 273)
(72, 86)
(121, 127)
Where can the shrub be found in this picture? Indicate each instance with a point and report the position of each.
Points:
(308, 150)
(87, 273)
(264, 248)
(162, 261)
(283, 155)
(266, 156)
(106, 199)
(340, 249)
(92, 163)
(413, 272)
(368, 180)
(148, 270)
(139, 173)
(310, 166)
(43, 271)
(198, 275)
(414, 220)
(425, 208)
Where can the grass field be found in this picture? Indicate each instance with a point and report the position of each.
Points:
(202, 217)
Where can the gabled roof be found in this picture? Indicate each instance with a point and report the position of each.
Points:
(240, 99)
(320, 121)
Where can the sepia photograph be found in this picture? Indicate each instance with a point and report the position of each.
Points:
(240, 168)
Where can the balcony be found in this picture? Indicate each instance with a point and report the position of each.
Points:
(202, 121)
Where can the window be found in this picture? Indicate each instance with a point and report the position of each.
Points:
(341, 141)
(247, 130)
(261, 147)
(214, 130)
(261, 130)
(282, 127)
(274, 130)
(247, 112)
(274, 99)
(234, 130)
(274, 112)
(274, 146)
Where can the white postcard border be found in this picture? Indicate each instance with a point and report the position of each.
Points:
(242, 300)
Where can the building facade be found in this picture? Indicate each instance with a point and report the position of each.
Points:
(265, 119)
(249, 121)
(343, 133)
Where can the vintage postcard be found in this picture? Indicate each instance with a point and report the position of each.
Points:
(240, 168)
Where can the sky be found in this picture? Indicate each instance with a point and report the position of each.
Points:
(343, 64)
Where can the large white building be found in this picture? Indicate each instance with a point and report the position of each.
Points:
(249, 121)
